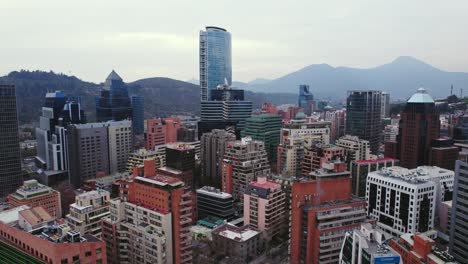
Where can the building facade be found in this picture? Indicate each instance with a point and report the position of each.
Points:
(458, 228)
(266, 128)
(306, 99)
(10, 161)
(361, 168)
(212, 202)
(114, 104)
(363, 116)
(242, 244)
(215, 60)
(138, 115)
(355, 148)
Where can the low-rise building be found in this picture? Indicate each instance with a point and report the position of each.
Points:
(242, 244)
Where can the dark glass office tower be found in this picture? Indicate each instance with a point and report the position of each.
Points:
(114, 103)
(306, 99)
(363, 118)
(138, 120)
(459, 214)
(10, 158)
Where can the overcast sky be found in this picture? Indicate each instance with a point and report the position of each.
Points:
(89, 38)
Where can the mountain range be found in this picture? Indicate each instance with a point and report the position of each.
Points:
(163, 96)
(400, 78)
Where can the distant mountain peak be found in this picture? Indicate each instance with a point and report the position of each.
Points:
(408, 61)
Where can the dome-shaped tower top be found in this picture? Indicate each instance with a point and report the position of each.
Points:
(421, 96)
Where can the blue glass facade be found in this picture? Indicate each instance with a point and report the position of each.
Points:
(114, 102)
(215, 60)
(138, 120)
(306, 99)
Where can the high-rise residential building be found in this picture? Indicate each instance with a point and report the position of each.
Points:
(180, 156)
(226, 105)
(368, 245)
(157, 210)
(212, 202)
(459, 214)
(267, 128)
(98, 148)
(138, 115)
(46, 242)
(302, 127)
(355, 148)
(363, 116)
(114, 104)
(390, 133)
(10, 159)
(87, 211)
(337, 118)
(137, 158)
(385, 110)
(241, 244)
(361, 168)
(244, 161)
(316, 155)
(405, 201)
(306, 99)
(291, 157)
(215, 60)
(264, 208)
(419, 248)
(443, 153)
(212, 154)
(161, 131)
(322, 211)
(34, 194)
(419, 125)
(58, 112)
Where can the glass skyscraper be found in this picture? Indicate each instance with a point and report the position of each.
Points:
(215, 60)
(138, 120)
(114, 103)
(10, 157)
(306, 99)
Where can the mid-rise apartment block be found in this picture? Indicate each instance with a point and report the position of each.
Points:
(212, 202)
(355, 148)
(88, 210)
(244, 161)
(264, 207)
(161, 131)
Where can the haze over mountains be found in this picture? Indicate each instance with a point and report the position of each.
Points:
(400, 78)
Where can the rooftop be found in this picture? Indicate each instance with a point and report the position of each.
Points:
(30, 189)
(161, 181)
(374, 161)
(240, 234)
(419, 175)
(212, 191)
(36, 215)
(10, 216)
(263, 183)
(113, 76)
(421, 97)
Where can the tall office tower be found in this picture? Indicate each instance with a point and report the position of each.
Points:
(161, 131)
(10, 159)
(58, 113)
(264, 207)
(157, 210)
(402, 201)
(138, 115)
(120, 137)
(87, 211)
(98, 148)
(215, 60)
(385, 110)
(460, 131)
(306, 99)
(226, 107)
(212, 202)
(290, 157)
(114, 104)
(368, 245)
(337, 118)
(355, 148)
(360, 169)
(34, 194)
(419, 125)
(459, 215)
(266, 128)
(212, 154)
(244, 161)
(363, 117)
(31, 235)
(322, 211)
(301, 127)
(180, 156)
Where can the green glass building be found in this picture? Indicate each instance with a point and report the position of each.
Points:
(267, 128)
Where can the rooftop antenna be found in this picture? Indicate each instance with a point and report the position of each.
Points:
(461, 92)
(451, 90)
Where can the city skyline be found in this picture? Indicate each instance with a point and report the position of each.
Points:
(161, 41)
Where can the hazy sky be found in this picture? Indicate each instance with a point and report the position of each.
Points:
(89, 38)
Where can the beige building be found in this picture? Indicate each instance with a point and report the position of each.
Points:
(120, 138)
(137, 157)
(87, 211)
(290, 156)
(355, 148)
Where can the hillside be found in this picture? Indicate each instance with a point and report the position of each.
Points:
(163, 96)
